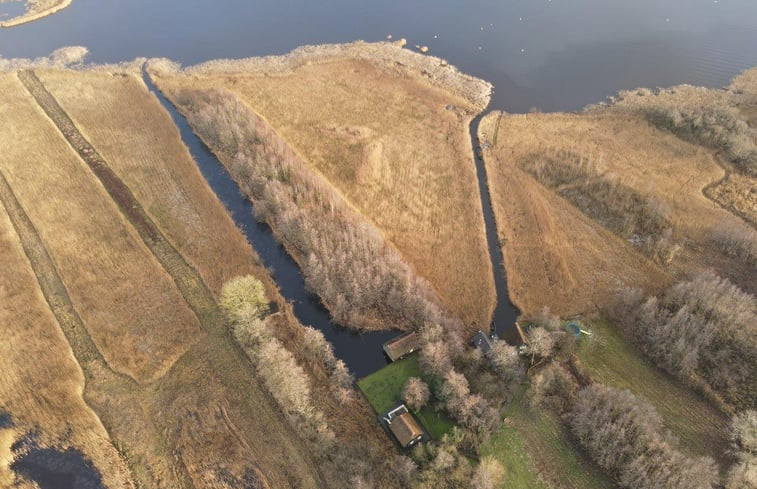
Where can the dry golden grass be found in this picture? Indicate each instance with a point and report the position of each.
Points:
(40, 381)
(554, 255)
(722, 121)
(36, 9)
(206, 421)
(133, 310)
(157, 167)
(584, 262)
(386, 140)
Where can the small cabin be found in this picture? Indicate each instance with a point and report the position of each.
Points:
(481, 341)
(403, 426)
(402, 345)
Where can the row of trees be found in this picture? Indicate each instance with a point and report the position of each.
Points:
(362, 280)
(606, 199)
(625, 436)
(702, 331)
(245, 304)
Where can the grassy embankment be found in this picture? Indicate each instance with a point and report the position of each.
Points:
(383, 389)
(164, 431)
(36, 9)
(393, 141)
(612, 360)
(537, 451)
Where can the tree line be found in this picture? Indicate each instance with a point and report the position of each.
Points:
(362, 280)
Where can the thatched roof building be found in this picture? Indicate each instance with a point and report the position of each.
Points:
(402, 345)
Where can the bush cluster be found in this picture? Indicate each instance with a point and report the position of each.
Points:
(624, 435)
(702, 330)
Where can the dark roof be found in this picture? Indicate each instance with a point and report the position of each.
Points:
(402, 345)
(481, 341)
(406, 429)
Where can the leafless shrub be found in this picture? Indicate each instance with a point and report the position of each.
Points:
(540, 344)
(554, 387)
(245, 304)
(738, 242)
(640, 218)
(488, 475)
(506, 364)
(363, 281)
(415, 392)
(623, 435)
(720, 127)
(701, 330)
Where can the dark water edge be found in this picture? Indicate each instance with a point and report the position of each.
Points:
(361, 352)
(57, 469)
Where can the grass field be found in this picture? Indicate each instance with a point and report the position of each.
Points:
(387, 141)
(191, 426)
(40, 381)
(558, 256)
(613, 361)
(536, 451)
(383, 389)
(141, 326)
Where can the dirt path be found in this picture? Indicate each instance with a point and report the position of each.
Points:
(187, 279)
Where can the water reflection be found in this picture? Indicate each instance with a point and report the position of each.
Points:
(558, 54)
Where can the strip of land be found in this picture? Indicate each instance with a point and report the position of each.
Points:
(389, 130)
(36, 9)
(168, 434)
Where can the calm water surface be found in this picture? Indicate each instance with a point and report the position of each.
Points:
(550, 54)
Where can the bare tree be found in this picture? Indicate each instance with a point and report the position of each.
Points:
(540, 344)
(488, 475)
(415, 392)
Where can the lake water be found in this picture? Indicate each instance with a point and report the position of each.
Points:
(550, 54)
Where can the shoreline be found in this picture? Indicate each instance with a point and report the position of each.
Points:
(31, 15)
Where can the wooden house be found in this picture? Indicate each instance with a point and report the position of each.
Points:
(402, 345)
(403, 426)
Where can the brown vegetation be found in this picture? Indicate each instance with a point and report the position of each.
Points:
(389, 129)
(169, 435)
(723, 120)
(140, 327)
(610, 169)
(554, 254)
(40, 381)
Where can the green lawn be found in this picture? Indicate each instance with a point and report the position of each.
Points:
(613, 361)
(536, 451)
(383, 390)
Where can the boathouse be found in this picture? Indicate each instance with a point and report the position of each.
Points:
(403, 426)
(481, 341)
(402, 345)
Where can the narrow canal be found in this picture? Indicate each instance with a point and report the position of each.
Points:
(505, 313)
(361, 352)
